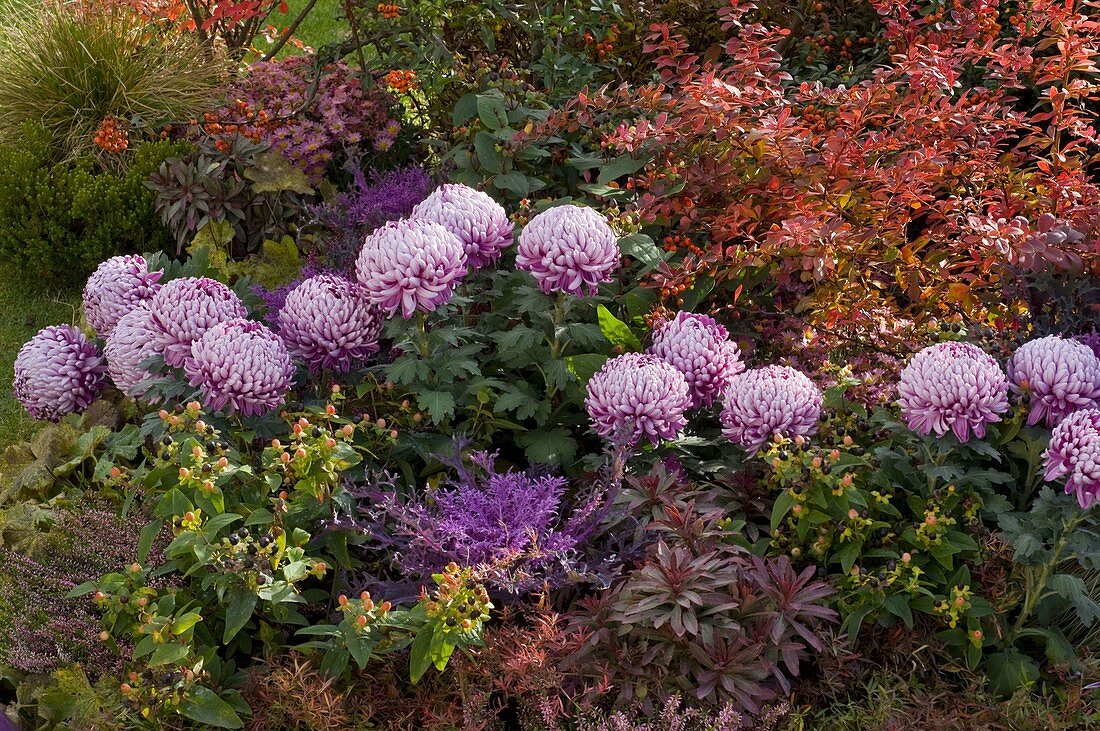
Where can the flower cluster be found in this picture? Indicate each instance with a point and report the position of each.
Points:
(328, 322)
(764, 402)
(57, 372)
(475, 218)
(128, 346)
(411, 265)
(699, 348)
(1074, 450)
(184, 309)
(311, 126)
(118, 286)
(954, 387)
(569, 249)
(1059, 376)
(240, 366)
(635, 396)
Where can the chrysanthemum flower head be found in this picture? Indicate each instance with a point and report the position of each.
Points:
(763, 402)
(240, 366)
(953, 387)
(569, 249)
(411, 265)
(328, 323)
(128, 346)
(57, 372)
(635, 396)
(1074, 451)
(473, 216)
(186, 308)
(1058, 375)
(118, 286)
(699, 348)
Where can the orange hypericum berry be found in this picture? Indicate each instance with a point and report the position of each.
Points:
(330, 410)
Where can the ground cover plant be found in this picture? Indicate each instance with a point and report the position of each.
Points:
(552, 367)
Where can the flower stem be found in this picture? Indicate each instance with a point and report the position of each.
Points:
(1034, 590)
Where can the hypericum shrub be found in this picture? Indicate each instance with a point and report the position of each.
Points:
(60, 219)
(113, 76)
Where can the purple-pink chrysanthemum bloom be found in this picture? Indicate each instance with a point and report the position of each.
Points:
(57, 372)
(699, 348)
(636, 395)
(328, 322)
(240, 366)
(1074, 450)
(568, 249)
(128, 346)
(952, 386)
(186, 308)
(473, 216)
(1059, 375)
(409, 265)
(116, 287)
(763, 402)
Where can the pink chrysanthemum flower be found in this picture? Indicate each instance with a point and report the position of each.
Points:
(117, 287)
(763, 402)
(1074, 450)
(953, 387)
(474, 217)
(569, 249)
(411, 265)
(635, 396)
(186, 308)
(699, 348)
(328, 323)
(128, 346)
(240, 366)
(57, 372)
(1059, 376)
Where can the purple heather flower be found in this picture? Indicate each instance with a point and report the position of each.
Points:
(1074, 450)
(118, 286)
(128, 346)
(327, 322)
(763, 402)
(57, 372)
(240, 366)
(699, 348)
(636, 395)
(952, 386)
(1061, 376)
(568, 249)
(411, 265)
(186, 308)
(475, 218)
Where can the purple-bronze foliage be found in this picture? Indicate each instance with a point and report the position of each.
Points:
(637, 396)
(117, 287)
(240, 366)
(763, 402)
(57, 372)
(699, 348)
(1074, 452)
(328, 323)
(411, 265)
(1059, 376)
(569, 249)
(953, 387)
(474, 217)
(186, 308)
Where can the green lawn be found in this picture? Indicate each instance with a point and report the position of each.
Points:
(324, 24)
